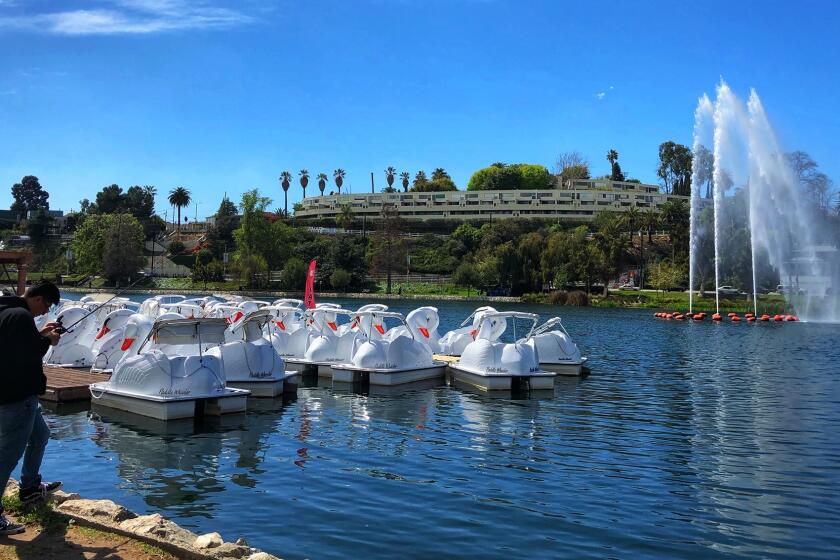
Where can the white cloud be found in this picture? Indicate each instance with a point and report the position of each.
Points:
(130, 17)
(600, 95)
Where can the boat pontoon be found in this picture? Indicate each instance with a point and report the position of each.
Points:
(490, 364)
(325, 345)
(252, 363)
(171, 376)
(386, 362)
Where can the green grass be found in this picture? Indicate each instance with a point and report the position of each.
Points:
(427, 289)
(40, 513)
(678, 301)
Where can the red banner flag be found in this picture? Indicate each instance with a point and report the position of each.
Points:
(309, 295)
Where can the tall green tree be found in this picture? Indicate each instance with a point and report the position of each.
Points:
(109, 244)
(675, 168)
(390, 172)
(322, 182)
(285, 182)
(252, 236)
(387, 248)
(304, 180)
(339, 175)
(420, 180)
(615, 174)
(405, 177)
(179, 197)
(29, 195)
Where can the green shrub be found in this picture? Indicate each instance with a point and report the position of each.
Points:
(176, 248)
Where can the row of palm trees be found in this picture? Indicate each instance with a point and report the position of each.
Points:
(338, 176)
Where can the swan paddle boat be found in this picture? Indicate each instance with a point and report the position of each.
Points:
(251, 362)
(325, 345)
(74, 347)
(556, 350)
(386, 362)
(171, 375)
(421, 324)
(490, 364)
(107, 347)
(454, 342)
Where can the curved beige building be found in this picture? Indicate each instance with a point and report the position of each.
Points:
(579, 201)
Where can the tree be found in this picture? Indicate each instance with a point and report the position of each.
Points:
(440, 173)
(387, 248)
(665, 275)
(345, 218)
(252, 237)
(466, 275)
(704, 168)
(404, 176)
(608, 247)
(179, 197)
(304, 180)
(571, 166)
(389, 175)
(675, 168)
(225, 221)
(500, 176)
(285, 182)
(29, 195)
(436, 185)
(816, 185)
(675, 216)
(322, 182)
(420, 180)
(340, 279)
(567, 258)
(615, 174)
(293, 276)
(110, 244)
(338, 175)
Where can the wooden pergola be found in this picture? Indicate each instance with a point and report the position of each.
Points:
(22, 260)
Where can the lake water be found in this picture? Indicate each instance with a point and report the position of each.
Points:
(686, 441)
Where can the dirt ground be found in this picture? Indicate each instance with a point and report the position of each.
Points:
(62, 541)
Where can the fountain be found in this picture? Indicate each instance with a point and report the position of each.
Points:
(786, 228)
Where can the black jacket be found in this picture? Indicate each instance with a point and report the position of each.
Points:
(21, 350)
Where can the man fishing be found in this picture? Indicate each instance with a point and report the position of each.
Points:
(23, 431)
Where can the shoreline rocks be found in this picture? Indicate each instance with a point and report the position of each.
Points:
(154, 529)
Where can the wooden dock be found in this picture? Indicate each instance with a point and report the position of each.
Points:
(70, 384)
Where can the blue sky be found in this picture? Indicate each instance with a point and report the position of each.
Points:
(220, 96)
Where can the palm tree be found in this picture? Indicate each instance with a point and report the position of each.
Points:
(405, 177)
(440, 173)
(180, 198)
(632, 219)
(322, 182)
(304, 180)
(389, 176)
(345, 217)
(285, 182)
(339, 174)
(612, 156)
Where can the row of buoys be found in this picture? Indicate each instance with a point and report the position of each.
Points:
(717, 317)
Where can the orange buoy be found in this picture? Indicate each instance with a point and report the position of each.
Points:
(749, 314)
(735, 319)
(678, 317)
(716, 317)
(790, 318)
(765, 317)
(731, 314)
(698, 317)
(794, 318)
(668, 316)
(751, 319)
(778, 318)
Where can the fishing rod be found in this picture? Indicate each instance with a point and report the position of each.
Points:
(62, 329)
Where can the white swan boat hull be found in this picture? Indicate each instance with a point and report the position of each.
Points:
(269, 387)
(564, 368)
(534, 381)
(170, 408)
(348, 373)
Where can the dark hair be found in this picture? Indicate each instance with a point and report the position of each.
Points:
(46, 290)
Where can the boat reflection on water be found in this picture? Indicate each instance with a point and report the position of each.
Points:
(183, 466)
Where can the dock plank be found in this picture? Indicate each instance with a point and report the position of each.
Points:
(69, 384)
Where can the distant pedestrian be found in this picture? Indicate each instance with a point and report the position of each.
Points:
(23, 431)
(399, 290)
